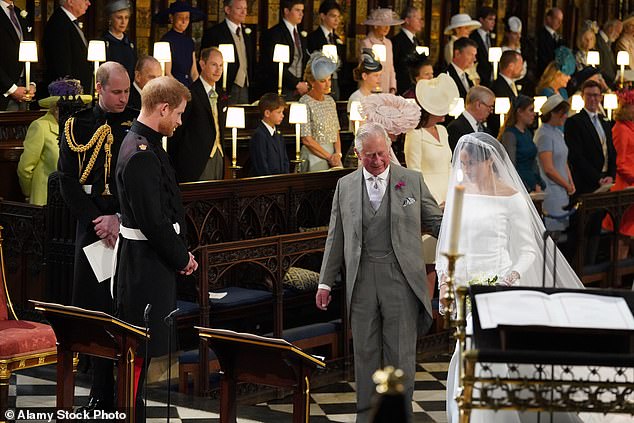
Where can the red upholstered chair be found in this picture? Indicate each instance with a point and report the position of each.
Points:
(23, 344)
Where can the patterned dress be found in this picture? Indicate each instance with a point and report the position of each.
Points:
(323, 126)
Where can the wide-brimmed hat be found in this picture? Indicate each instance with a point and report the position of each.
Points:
(321, 66)
(461, 19)
(437, 95)
(383, 17)
(178, 6)
(116, 5)
(63, 87)
(552, 102)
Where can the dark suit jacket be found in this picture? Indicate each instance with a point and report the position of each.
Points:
(484, 67)
(608, 61)
(457, 128)
(10, 68)
(317, 39)
(501, 89)
(65, 52)
(220, 34)
(192, 142)
(279, 34)
(451, 71)
(267, 153)
(585, 155)
(401, 48)
(134, 101)
(546, 46)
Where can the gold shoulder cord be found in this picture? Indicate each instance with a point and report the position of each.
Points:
(104, 132)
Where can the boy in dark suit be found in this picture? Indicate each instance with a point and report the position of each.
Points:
(267, 149)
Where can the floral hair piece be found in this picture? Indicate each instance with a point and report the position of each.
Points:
(396, 114)
(626, 97)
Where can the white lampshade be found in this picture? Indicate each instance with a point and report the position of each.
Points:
(28, 51)
(228, 53)
(623, 58)
(355, 111)
(502, 105)
(330, 50)
(610, 101)
(456, 107)
(422, 50)
(162, 51)
(495, 53)
(539, 101)
(298, 113)
(282, 53)
(593, 58)
(577, 103)
(235, 117)
(97, 51)
(380, 52)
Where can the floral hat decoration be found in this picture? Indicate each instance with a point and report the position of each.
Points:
(565, 60)
(626, 97)
(63, 87)
(396, 114)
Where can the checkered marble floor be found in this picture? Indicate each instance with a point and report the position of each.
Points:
(35, 390)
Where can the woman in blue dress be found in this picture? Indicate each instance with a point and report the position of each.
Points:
(119, 48)
(517, 139)
(183, 64)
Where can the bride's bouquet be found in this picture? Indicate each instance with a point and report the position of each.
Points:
(480, 280)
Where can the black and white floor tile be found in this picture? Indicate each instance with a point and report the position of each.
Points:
(35, 390)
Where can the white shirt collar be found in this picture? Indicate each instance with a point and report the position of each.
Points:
(383, 175)
(471, 120)
(507, 79)
(409, 33)
(232, 26)
(70, 15)
(604, 36)
(206, 85)
(326, 31)
(483, 34)
(591, 114)
(551, 31)
(289, 26)
(269, 127)
(136, 86)
(458, 70)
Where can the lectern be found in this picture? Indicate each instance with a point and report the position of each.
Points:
(250, 358)
(98, 334)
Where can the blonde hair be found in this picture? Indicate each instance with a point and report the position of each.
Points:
(163, 89)
(550, 73)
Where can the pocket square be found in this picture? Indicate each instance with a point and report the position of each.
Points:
(409, 201)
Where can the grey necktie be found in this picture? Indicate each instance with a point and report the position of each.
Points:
(375, 192)
(480, 127)
(81, 33)
(14, 20)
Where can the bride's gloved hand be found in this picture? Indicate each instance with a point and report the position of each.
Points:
(510, 278)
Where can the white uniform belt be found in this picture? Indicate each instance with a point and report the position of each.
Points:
(87, 189)
(137, 235)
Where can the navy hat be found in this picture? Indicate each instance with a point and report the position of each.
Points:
(179, 6)
(116, 5)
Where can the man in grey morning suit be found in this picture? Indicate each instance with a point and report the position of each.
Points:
(375, 233)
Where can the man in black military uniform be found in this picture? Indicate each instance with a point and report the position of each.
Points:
(151, 249)
(89, 149)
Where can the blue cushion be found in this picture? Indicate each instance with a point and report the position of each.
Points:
(186, 308)
(237, 296)
(309, 331)
(191, 357)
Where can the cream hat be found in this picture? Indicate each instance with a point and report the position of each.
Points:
(461, 19)
(437, 95)
(383, 17)
(552, 102)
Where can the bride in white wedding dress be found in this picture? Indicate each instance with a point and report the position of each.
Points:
(502, 241)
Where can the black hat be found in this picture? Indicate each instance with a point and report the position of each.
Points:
(178, 6)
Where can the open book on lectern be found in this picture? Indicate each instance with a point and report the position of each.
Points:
(565, 309)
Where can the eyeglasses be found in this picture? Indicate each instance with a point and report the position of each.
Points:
(489, 106)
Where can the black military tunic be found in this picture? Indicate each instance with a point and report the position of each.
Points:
(87, 199)
(150, 202)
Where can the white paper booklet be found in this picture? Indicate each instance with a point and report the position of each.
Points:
(100, 259)
(566, 310)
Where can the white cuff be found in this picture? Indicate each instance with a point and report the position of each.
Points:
(10, 90)
(323, 286)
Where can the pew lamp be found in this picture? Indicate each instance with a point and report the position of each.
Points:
(27, 54)
(96, 54)
(297, 115)
(228, 56)
(502, 107)
(330, 51)
(538, 102)
(281, 55)
(495, 53)
(457, 107)
(623, 60)
(235, 120)
(577, 103)
(610, 102)
(162, 53)
(355, 115)
(380, 52)
(422, 50)
(593, 58)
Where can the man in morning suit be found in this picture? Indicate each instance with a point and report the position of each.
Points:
(89, 191)
(591, 155)
(241, 73)
(266, 148)
(605, 39)
(511, 64)
(483, 36)
(479, 105)
(13, 29)
(65, 46)
(196, 148)
(464, 54)
(378, 214)
(151, 247)
(286, 32)
(330, 16)
(548, 39)
(146, 69)
(403, 44)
